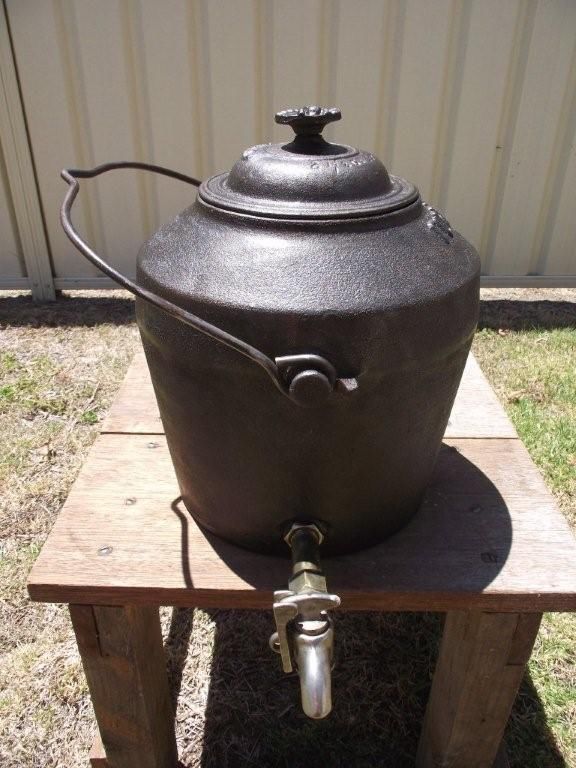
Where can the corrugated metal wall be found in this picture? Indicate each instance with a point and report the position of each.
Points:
(474, 100)
(11, 261)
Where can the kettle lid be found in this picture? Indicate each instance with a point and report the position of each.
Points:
(309, 177)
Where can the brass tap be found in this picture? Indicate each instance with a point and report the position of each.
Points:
(304, 635)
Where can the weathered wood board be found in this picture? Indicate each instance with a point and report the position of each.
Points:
(123, 657)
(479, 669)
(488, 540)
(488, 535)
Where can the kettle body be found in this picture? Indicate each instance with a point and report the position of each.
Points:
(364, 299)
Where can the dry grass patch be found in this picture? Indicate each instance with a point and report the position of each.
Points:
(60, 366)
(533, 372)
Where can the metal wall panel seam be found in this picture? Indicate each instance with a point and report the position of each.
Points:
(264, 18)
(75, 95)
(509, 114)
(20, 171)
(233, 73)
(554, 181)
(450, 100)
(390, 81)
(199, 54)
(528, 281)
(140, 116)
(328, 47)
(11, 238)
(14, 284)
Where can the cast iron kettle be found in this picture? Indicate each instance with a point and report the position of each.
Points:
(356, 301)
(306, 322)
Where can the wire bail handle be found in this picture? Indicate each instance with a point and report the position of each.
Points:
(307, 379)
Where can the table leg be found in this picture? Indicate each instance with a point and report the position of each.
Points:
(123, 658)
(480, 666)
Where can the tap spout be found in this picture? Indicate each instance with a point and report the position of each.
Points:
(304, 635)
(313, 647)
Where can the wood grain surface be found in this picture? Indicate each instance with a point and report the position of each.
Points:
(480, 667)
(488, 545)
(123, 658)
(487, 535)
(97, 756)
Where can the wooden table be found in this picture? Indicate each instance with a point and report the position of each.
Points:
(488, 547)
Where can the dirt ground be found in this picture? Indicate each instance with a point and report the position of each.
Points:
(61, 365)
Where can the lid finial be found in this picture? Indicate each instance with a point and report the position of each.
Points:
(308, 121)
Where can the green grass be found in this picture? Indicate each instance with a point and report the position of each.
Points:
(534, 374)
(39, 387)
(60, 365)
(59, 368)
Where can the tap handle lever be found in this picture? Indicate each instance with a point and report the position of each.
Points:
(284, 613)
(291, 607)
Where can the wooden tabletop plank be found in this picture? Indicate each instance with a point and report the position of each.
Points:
(476, 412)
(135, 409)
(488, 535)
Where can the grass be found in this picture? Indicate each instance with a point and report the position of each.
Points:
(534, 374)
(59, 368)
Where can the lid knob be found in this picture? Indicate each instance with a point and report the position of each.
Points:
(308, 121)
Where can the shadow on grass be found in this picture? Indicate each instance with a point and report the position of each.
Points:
(527, 315)
(529, 740)
(76, 311)
(89, 310)
(176, 648)
(381, 683)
